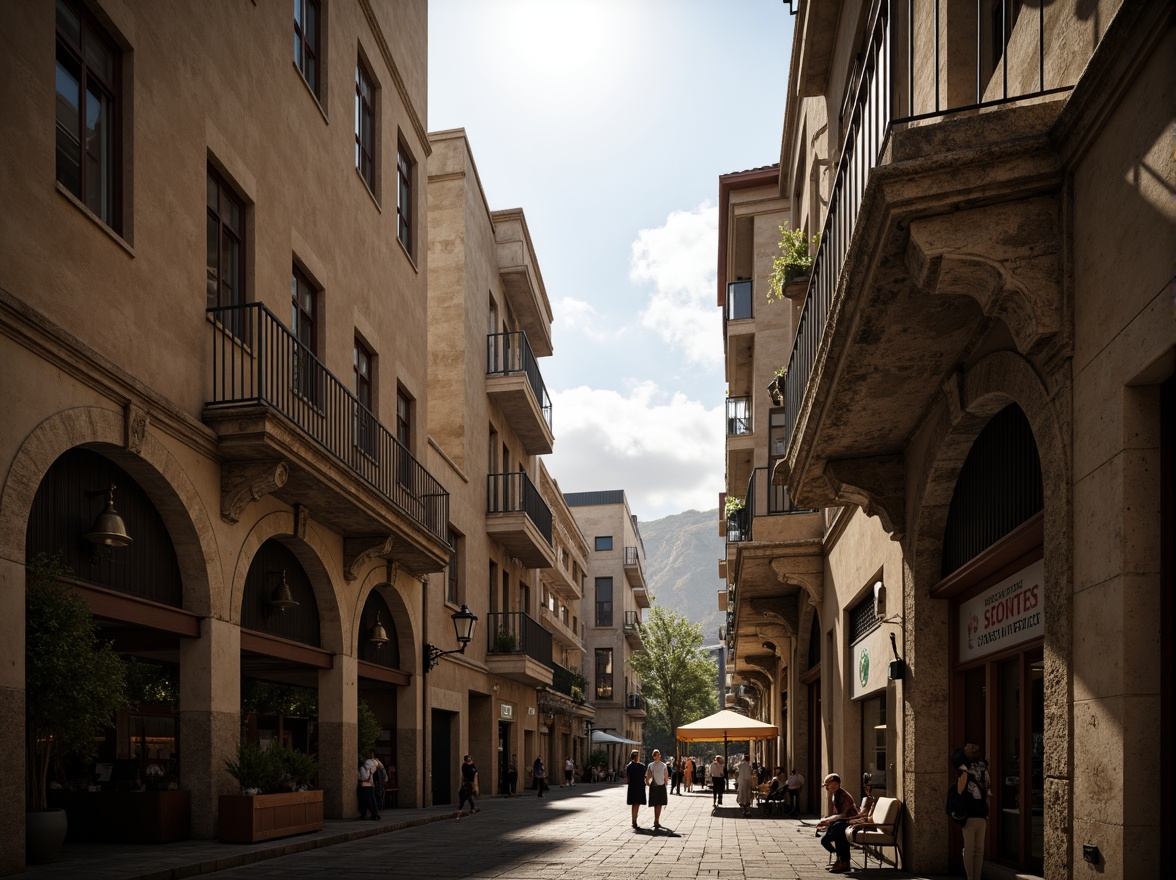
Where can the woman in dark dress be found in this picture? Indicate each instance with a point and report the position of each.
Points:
(635, 777)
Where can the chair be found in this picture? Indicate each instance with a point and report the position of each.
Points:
(763, 797)
(885, 831)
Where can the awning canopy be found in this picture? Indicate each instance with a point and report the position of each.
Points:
(726, 725)
(601, 738)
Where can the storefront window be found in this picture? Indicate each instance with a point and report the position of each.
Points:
(874, 742)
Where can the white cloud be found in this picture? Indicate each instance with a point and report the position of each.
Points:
(575, 314)
(665, 451)
(678, 260)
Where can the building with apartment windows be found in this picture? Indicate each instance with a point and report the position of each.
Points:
(977, 397)
(519, 558)
(615, 594)
(244, 330)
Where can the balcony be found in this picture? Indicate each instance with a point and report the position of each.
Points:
(519, 519)
(738, 416)
(634, 572)
(518, 648)
(633, 631)
(559, 630)
(286, 426)
(570, 684)
(515, 384)
(635, 706)
(915, 265)
(641, 597)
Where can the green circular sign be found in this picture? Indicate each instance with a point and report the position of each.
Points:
(864, 667)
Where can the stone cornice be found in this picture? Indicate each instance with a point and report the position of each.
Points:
(397, 79)
(37, 334)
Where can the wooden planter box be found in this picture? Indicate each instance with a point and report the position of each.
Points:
(253, 818)
(126, 816)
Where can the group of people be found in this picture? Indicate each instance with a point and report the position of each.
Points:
(656, 776)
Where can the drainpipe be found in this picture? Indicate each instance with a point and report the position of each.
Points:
(424, 691)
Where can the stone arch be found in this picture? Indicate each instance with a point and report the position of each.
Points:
(312, 553)
(124, 438)
(411, 650)
(970, 401)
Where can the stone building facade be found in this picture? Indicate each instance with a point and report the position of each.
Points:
(978, 399)
(220, 293)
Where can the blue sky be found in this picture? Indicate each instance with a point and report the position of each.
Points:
(609, 122)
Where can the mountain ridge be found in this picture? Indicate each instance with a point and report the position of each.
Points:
(682, 551)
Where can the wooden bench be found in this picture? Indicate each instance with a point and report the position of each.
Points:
(884, 832)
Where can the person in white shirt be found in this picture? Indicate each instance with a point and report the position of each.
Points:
(657, 774)
(569, 771)
(743, 784)
(794, 784)
(718, 775)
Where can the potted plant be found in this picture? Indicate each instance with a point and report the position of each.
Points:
(794, 263)
(273, 801)
(74, 685)
(505, 642)
(776, 387)
(733, 506)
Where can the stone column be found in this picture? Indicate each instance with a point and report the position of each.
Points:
(338, 749)
(210, 718)
(410, 743)
(12, 706)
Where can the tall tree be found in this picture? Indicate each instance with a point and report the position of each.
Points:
(679, 679)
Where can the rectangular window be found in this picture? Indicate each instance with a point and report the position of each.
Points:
(405, 470)
(604, 673)
(405, 169)
(365, 126)
(453, 578)
(226, 249)
(87, 111)
(306, 41)
(365, 420)
(604, 542)
(604, 601)
(308, 377)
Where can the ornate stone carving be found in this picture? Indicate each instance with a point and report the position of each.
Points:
(774, 611)
(1007, 257)
(358, 552)
(811, 582)
(877, 484)
(137, 420)
(243, 482)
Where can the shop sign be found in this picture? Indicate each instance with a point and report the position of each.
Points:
(868, 659)
(506, 712)
(1004, 615)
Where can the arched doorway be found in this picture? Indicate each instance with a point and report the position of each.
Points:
(993, 571)
(380, 680)
(136, 595)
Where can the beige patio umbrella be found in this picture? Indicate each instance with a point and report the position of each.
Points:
(726, 725)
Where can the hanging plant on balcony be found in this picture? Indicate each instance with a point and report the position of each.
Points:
(795, 260)
(733, 506)
(505, 642)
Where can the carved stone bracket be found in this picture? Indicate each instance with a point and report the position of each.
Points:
(243, 482)
(766, 662)
(137, 420)
(774, 611)
(877, 484)
(812, 581)
(358, 552)
(1007, 257)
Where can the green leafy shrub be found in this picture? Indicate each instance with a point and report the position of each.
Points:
(795, 260)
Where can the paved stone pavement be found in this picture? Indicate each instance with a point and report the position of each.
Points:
(577, 833)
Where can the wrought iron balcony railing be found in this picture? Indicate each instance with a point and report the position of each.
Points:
(508, 353)
(896, 86)
(257, 360)
(738, 416)
(636, 702)
(632, 620)
(515, 493)
(516, 632)
(567, 682)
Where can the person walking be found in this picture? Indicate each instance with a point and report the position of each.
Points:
(794, 783)
(657, 775)
(972, 784)
(744, 784)
(512, 777)
(540, 773)
(366, 789)
(718, 776)
(635, 778)
(469, 785)
(569, 772)
(689, 774)
(675, 776)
